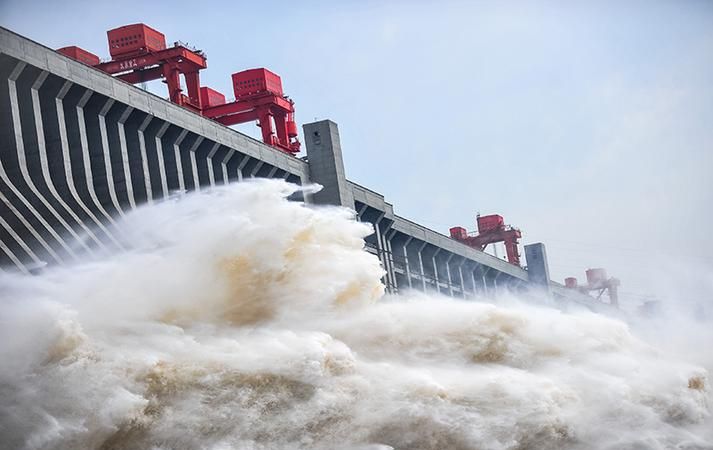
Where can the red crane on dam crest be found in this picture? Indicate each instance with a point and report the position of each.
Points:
(491, 229)
(139, 54)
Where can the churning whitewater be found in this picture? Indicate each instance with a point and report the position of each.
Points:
(240, 320)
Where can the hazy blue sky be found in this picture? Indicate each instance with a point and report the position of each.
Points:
(589, 125)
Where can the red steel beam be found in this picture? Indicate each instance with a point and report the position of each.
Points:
(509, 237)
(187, 59)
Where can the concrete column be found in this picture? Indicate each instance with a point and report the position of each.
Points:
(253, 172)
(448, 274)
(484, 272)
(408, 266)
(241, 165)
(472, 279)
(161, 162)
(383, 254)
(211, 170)
(388, 235)
(435, 270)
(538, 270)
(379, 244)
(144, 158)
(460, 275)
(105, 152)
(179, 164)
(224, 165)
(360, 212)
(125, 156)
(194, 165)
(326, 165)
(420, 264)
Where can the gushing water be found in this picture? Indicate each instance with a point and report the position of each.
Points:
(240, 320)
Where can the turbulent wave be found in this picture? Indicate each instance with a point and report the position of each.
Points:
(243, 321)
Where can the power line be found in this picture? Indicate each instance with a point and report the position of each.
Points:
(651, 252)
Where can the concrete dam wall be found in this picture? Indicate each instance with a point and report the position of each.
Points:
(81, 148)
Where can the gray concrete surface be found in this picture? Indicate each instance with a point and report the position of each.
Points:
(81, 148)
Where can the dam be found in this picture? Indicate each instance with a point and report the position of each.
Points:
(81, 148)
(186, 262)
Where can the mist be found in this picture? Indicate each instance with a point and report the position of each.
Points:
(241, 320)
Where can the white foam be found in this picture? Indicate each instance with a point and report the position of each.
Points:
(240, 320)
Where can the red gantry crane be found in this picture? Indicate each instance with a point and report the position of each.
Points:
(598, 281)
(491, 229)
(258, 96)
(139, 54)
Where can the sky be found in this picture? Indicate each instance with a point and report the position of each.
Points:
(588, 125)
